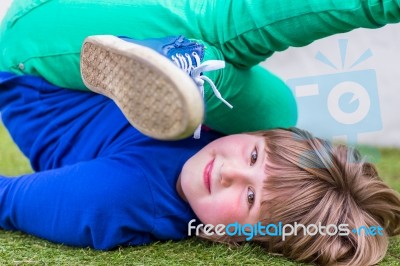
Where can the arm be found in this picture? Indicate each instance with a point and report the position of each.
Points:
(96, 203)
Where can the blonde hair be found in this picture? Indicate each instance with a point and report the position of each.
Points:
(311, 181)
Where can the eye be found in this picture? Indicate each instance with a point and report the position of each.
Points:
(250, 196)
(253, 157)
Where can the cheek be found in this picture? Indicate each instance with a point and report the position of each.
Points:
(190, 177)
(225, 212)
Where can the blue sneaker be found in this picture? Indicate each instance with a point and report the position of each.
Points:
(157, 83)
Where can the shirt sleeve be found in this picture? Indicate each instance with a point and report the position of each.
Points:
(100, 204)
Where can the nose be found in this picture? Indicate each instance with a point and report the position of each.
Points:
(233, 174)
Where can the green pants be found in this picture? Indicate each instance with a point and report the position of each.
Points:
(44, 37)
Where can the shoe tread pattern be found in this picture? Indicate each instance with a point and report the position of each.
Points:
(147, 98)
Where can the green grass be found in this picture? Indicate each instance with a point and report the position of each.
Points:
(20, 249)
(12, 161)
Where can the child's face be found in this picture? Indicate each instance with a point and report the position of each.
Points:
(223, 182)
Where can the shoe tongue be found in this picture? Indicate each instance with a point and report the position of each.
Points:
(171, 46)
(184, 46)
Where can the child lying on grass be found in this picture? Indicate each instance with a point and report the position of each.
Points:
(99, 182)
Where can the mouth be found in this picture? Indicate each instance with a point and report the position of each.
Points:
(207, 175)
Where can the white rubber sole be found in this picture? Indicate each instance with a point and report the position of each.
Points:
(156, 97)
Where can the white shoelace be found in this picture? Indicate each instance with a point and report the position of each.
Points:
(195, 72)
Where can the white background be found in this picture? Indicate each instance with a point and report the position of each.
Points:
(4, 4)
(385, 46)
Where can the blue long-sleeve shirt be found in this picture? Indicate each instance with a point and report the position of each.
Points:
(98, 182)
